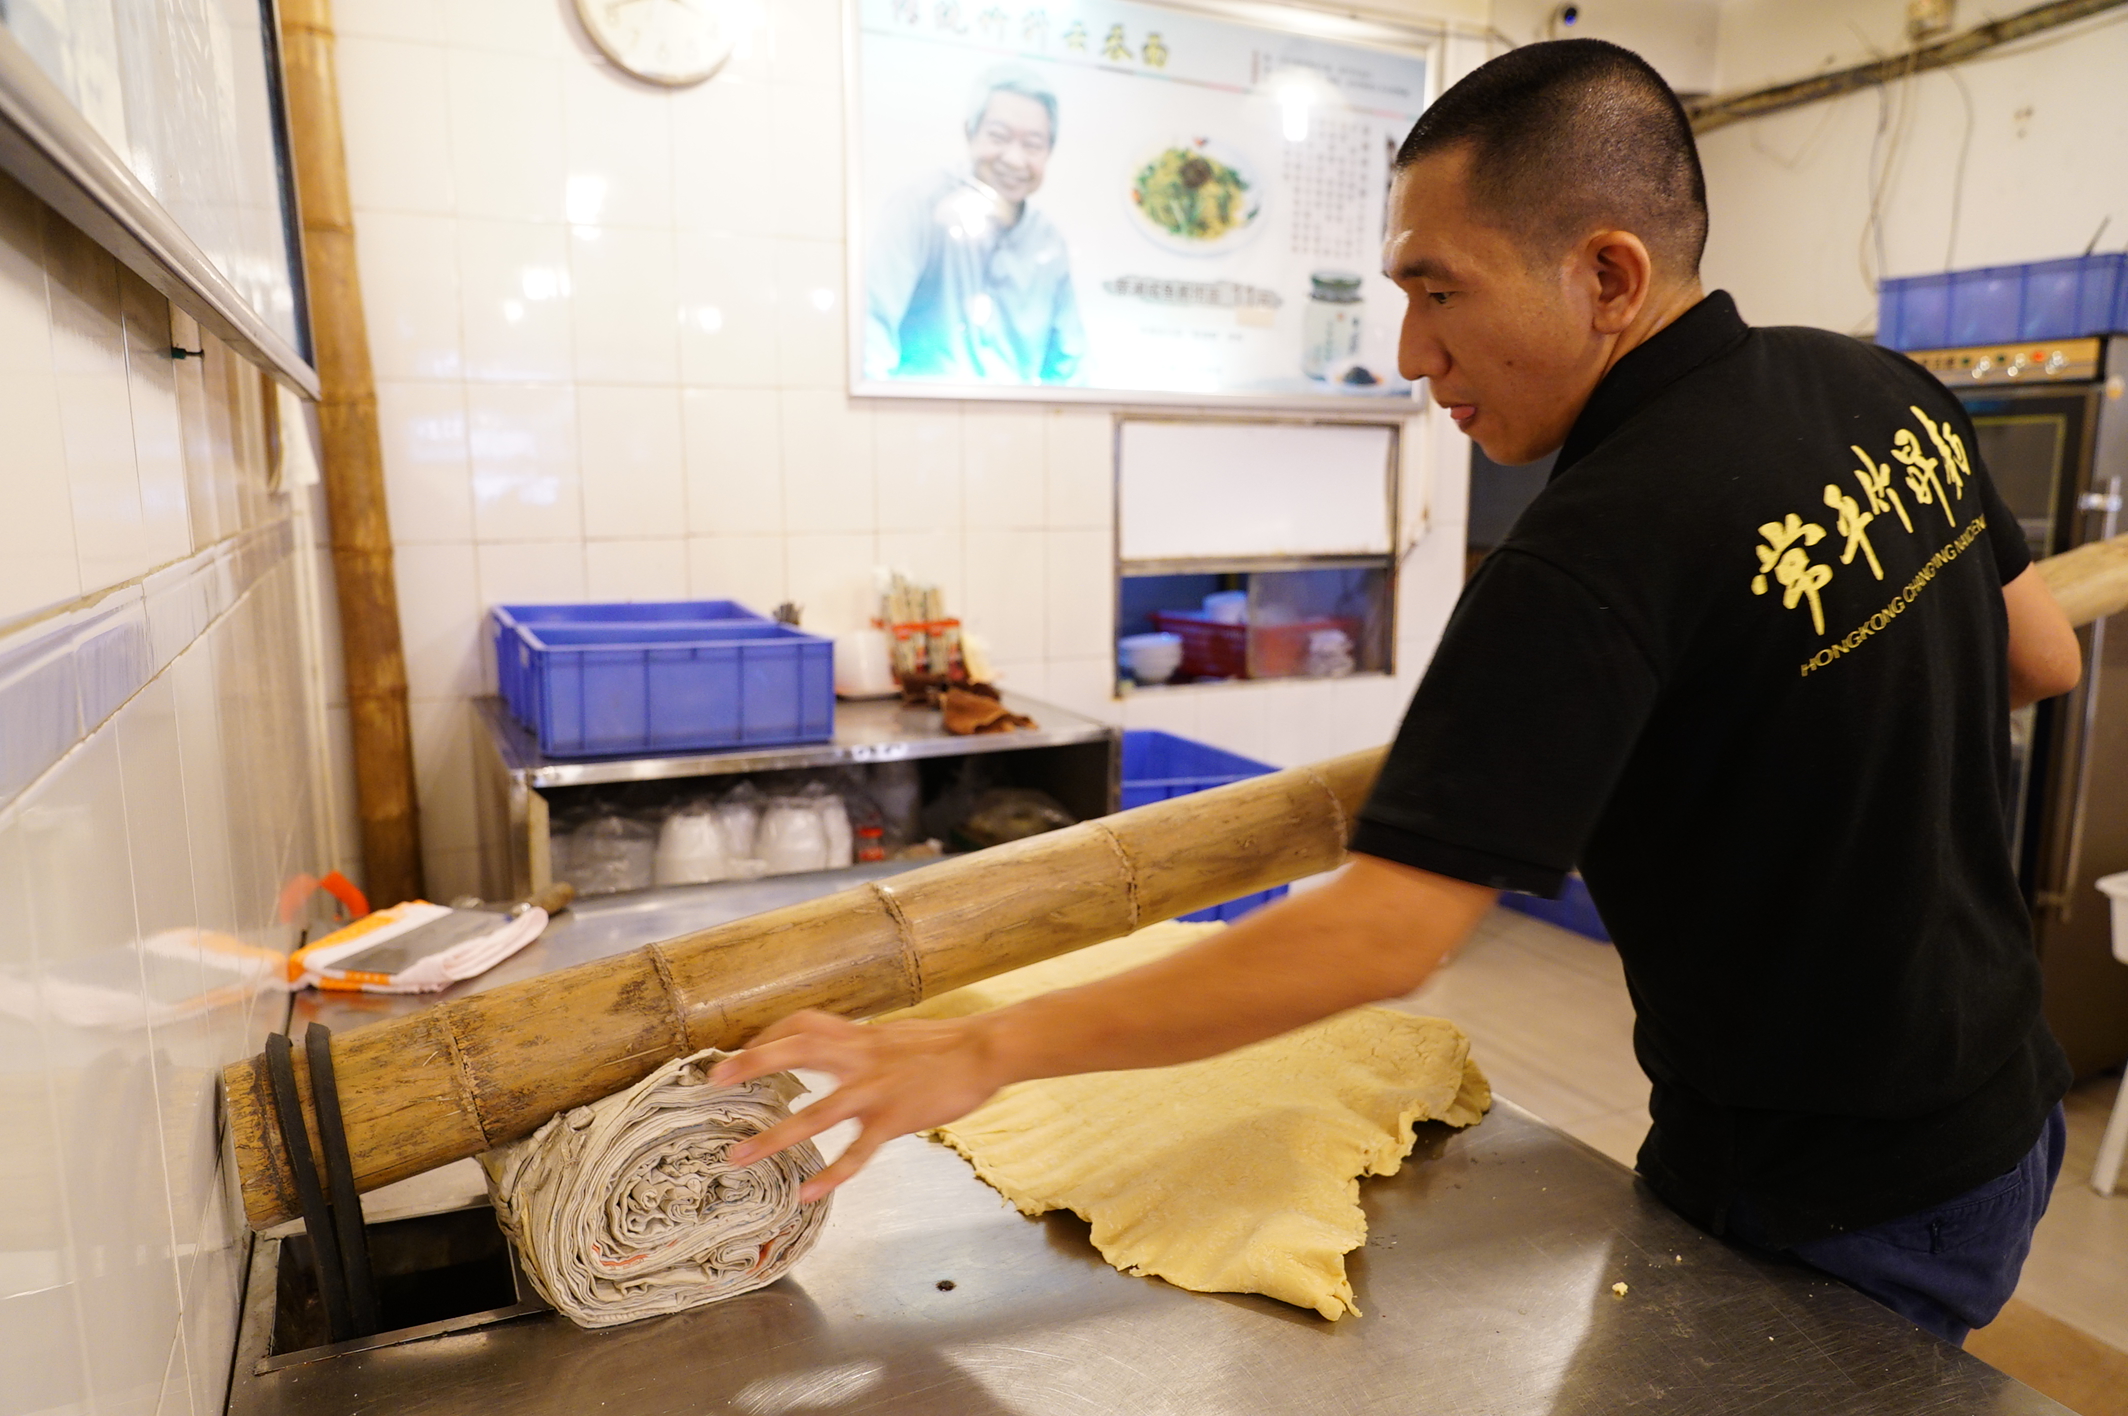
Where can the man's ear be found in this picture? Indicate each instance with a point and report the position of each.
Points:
(1621, 273)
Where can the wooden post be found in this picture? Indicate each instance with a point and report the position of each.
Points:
(449, 1082)
(353, 463)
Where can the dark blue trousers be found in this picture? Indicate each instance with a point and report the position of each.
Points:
(1949, 1268)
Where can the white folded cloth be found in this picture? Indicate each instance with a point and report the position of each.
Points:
(627, 1209)
(481, 941)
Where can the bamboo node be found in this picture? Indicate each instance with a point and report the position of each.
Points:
(912, 964)
(1130, 873)
(1337, 808)
(462, 1073)
(676, 1000)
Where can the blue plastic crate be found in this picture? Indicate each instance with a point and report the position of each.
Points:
(1159, 765)
(1914, 313)
(612, 688)
(512, 660)
(2059, 299)
(1574, 910)
(2070, 298)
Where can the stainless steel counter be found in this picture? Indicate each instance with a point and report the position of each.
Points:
(1486, 1285)
(1075, 758)
(880, 730)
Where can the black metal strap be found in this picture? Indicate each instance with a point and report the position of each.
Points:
(317, 1218)
(340, 1172)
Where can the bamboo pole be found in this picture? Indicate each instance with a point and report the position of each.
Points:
(353, 463)
(2090, 582)
(449, 1082)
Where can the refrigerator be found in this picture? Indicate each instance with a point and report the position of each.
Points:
(2052, 424)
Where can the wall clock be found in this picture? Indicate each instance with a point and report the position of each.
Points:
(670, 42)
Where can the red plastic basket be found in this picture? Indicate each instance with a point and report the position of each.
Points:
(1212, 649)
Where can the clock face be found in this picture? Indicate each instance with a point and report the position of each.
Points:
(672, 42)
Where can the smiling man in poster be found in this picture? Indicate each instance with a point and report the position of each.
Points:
(964, 279)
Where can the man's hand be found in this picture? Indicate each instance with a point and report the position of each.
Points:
(894, 1078)
(1374, 932)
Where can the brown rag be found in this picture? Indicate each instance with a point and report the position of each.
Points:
(968, 713)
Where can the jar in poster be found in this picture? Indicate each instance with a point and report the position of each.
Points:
(1330, 325)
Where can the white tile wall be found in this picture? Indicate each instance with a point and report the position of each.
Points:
(427, 460)
(625, 295)
(521, 442)
(516, 309)
(636, 570)
(156, 775)
(400, 154)
(749, 569)
(611, 323)
(734, 456)
(629, 442)
(410, 299)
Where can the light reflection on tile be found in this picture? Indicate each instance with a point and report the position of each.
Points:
(40, 1336)
(625, 305)
(101, 1072)
(522, 442)
(410, 293)
(517, 303)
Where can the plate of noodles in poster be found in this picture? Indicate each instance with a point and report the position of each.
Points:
(1195, 196)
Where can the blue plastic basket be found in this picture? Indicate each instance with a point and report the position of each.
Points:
(1574, 910)
(506, 620)
(603, 685)
(2059, 299)
(1159, 765)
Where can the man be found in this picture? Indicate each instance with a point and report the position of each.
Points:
(1747, 660)
(963, 279)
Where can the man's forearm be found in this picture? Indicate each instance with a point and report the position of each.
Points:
(1376, 932)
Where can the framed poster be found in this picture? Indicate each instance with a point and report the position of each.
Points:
(1118, 202)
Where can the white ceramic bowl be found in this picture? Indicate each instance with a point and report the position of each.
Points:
(1151, 658)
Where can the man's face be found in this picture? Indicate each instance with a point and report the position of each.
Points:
(1505, 341)
(1010, 145)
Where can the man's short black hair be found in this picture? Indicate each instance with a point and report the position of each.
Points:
(1573, 136)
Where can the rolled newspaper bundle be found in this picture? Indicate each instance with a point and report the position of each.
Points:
(627, 1209)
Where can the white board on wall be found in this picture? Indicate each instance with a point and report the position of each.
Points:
(1217, 490)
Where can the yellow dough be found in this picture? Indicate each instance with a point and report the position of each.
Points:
(1237, 1174)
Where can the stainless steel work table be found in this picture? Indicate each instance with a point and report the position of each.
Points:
(1486, 1284)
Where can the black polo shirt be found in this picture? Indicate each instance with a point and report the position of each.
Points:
(1743, 662)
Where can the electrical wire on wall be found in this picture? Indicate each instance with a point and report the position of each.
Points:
(1965, 152)
(1895, 114)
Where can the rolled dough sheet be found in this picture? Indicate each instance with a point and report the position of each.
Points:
(1237, 1174)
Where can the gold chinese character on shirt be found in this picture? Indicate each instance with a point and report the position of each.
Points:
(1075, 37)
(1155, 51)
(993, 23)
(1788, 563)
(1853, 523)
(1876, 480)
(1034, 29)
(1114, 48)
(1951, 448)
(1921, 477)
